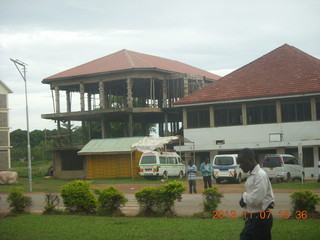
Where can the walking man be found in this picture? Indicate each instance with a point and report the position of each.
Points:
(206, 170)
(191, 171)
(256, 200)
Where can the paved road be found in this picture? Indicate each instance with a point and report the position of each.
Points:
(191, 203)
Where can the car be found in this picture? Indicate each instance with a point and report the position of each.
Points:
(161, 164)
(225, 167)
(282, 166)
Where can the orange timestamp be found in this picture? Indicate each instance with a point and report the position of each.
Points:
(284, 214)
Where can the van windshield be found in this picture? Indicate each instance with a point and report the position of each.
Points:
(223, 161)
(271, 162)
(148, 160)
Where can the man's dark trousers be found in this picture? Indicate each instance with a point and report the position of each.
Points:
(192, 186)
(256, 228)
(207, 182)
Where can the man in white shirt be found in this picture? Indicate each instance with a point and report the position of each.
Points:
(256, 200)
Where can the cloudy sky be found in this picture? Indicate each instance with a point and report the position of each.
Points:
(218, 36)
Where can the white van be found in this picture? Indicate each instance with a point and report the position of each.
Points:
(161, 164)
(225, 167)
(282, 166)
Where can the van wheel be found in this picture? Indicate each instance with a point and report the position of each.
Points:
(288, 177)
(238, 180)
(165, 175)
(180, 174)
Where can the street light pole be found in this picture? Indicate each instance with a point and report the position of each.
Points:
(23, 75)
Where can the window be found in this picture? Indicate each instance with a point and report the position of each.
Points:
(198, 119)
(228, 116)
(293, 112)
(172, 160)
(318, 109)
(261, 114)
(148, 160)
(223, 161)
(288, 160)
(162, 160)
(307, 155)
(271, 162)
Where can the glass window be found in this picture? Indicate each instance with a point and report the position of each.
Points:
(270, 161)
(148, 160)
(223, 161)
(198, 119)
(293, 112)
(261, 114)
(228, 116)
(288, 160)
(162, 160)
(172, 160)
(318, 109)
(307, 155)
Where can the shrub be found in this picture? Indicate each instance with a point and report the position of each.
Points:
(110, 200)
(77, 197)
(304, 201)
(18, 202)
(51, 201)
(147, 198)
(167, 195)
(212, 198)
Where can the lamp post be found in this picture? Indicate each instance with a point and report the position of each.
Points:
(22, 72)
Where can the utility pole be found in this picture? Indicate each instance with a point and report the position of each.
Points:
(22, 72)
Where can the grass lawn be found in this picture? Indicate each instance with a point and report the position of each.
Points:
(91, 227)
(297, 185)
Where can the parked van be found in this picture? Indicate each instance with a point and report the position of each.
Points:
(282, 166)
(225, 167)
(161, 164)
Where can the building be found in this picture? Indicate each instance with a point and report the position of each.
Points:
(5, 161)
(271, 105)
(125, 87)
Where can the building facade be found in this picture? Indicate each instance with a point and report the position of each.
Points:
(127, 88)
(271, 105)
(5, 160)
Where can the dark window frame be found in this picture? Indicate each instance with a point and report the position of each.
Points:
(227, 116)
(296, 111)
(198, 118)
(261, 113)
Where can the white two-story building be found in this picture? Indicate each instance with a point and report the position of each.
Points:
(271, 105)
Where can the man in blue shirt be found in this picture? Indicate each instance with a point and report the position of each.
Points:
(206, 170)
(191, 171)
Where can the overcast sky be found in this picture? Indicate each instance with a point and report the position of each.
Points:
(218, 36)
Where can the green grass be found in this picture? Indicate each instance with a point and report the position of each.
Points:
(297, 185)
(91, 227)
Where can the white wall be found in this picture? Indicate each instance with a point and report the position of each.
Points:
(257, 137)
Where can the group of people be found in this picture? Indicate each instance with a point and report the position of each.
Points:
(258, 196)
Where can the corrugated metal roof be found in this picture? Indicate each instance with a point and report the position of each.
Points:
(125, 60)
(109, 145)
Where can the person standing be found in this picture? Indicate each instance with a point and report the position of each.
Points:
(192, 171)
(256, 200)
(206, 170)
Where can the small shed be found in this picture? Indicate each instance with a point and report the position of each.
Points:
(111, 158)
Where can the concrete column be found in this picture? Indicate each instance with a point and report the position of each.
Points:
(278, 111)
(104, 128)
(211, 115)
(184, 118)
(313, 109)
(164, 94)
(82, 106)
(129, 93)
(57, 95)
(185, 86)
(102, 95)
(130, 125)
(68, 101)
(89, 102)
(244, 113)
(166, 129)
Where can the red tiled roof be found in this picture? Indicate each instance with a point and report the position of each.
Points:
(125, 60)
(283, 71)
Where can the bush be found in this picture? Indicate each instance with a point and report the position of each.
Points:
(304, 201)
(51, 201)
(18, 203)
(77, 197)
(212, 198)
(110, 200)
(147, 198)
(167, 195)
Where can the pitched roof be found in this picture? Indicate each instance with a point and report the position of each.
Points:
(281, 72)
(125, 60)
(4, 88)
